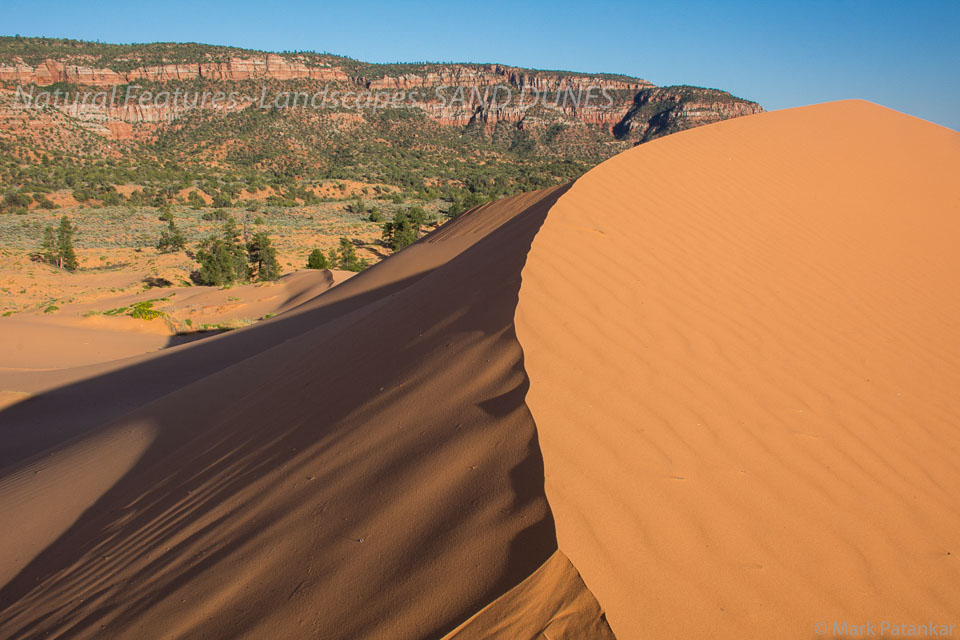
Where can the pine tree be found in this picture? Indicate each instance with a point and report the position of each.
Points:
(263, 257)
(417, 218)
(403, 232)
(387, 235)
(348, 259)
(223, 259)
(67, 259)
(48, 247)
(171, 239)
(317, 260)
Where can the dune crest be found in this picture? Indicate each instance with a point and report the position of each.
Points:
(708, 390)
(362, 466)
(744, 360)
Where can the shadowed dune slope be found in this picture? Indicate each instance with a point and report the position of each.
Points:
(743, 345)
(362, 466)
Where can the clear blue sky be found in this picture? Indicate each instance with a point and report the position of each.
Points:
(903, 54)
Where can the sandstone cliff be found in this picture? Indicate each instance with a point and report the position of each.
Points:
(458, 95)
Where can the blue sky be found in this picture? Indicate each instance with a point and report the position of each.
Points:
(902, 54)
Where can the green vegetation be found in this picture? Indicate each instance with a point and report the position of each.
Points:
(56, 247)
(347, 258)
(140, 310)
(405, 228)
(171, 239)
(215, 157)
(225, 259)
(335, 172)
(222, 258)
(263, 258)
(317, 260)
(15, 202)
(145, 311)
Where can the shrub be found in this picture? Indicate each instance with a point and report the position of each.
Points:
(145, 311)
(216, 214)
(43, 201)
(356, 206)
(317, 260)
(221, 200)
(195, 201)
(15, 200)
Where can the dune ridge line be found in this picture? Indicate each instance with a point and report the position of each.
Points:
(743, 359)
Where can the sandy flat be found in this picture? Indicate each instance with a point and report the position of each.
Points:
(743, 343)
(88, 332)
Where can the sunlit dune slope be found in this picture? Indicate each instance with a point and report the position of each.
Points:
(362, 466)
(743, 345)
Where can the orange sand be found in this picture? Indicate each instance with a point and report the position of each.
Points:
(716, 399)
(743, 343)
(360, 466)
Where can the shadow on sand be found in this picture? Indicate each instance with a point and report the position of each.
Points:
(285, 450)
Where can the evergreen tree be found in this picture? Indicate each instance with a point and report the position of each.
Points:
(67, 259)
(348, 259)
(417, 218)
(171, 239)
(48, 247)
(263, 257)
(401, 232)
(231, 233)
(387, 235)
(223, 259)
(317, 260)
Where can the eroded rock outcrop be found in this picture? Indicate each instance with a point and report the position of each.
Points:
(458, 95)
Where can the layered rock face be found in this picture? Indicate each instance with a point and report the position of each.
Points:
(268, 66)
(658, 111)
(458, 95)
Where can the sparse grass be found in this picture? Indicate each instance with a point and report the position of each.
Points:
(141, 310)
(145, 311)
(227, 325)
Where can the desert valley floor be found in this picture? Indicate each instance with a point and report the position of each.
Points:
(707, 390)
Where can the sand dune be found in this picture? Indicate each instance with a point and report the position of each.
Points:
(81, 334)
(708, 390)
(362, 466)
(744, 356)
